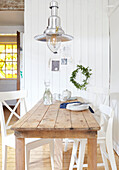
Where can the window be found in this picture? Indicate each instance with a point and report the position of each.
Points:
(8, 61)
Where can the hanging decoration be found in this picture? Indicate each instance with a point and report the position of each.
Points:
(86, 71)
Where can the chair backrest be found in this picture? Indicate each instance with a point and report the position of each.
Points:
(106, 122)
(6, 96)
(98, 96)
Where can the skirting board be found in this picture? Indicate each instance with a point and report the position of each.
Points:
(116, 147)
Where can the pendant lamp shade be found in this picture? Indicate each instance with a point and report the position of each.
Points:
(54, 34)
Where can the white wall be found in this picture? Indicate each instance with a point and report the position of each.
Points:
(114, 26)
(114, 51)
(11, 29)
(87, 21)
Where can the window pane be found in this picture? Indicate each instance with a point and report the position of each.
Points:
(2, 57)
(14, 65)
(8, 57)
(2, 48)
(15, 57)
(2, 74)
(8, 65)
(8, 61)
(15, 74)
(14, 48)
(8, 48)
(8, 74)
(2, 65)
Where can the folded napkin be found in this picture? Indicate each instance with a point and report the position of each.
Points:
(64, 105)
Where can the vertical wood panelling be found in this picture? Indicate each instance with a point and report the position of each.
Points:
(35, 57)
(77, 36)
(42, 46)
(99, 37)
(92, 39)
(114, 30)
(84, 32)
(105, 37)
(70, 29)
(28, 63)
(87, 22)
(62, 14)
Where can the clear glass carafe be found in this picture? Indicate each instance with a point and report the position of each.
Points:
(47, 97)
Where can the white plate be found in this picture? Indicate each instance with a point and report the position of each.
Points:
(76, 107)
(72, 98)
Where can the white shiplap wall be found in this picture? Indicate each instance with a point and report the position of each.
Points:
(87, 21)
(114, 29)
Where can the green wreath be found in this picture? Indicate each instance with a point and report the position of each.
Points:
(86, 71)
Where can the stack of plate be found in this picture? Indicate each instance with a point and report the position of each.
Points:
(77, 106)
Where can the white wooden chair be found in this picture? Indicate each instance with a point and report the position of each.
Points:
(9, 140)
(104, 140)
(95, 96)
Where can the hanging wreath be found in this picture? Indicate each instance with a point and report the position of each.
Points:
(86, 71)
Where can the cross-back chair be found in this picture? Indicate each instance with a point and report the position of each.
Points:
(9, 139)
(97, 96)
(104, 140)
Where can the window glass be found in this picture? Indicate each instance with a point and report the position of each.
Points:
(8, 61)
(2, 48)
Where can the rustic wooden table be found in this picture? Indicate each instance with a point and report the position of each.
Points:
(52, 122)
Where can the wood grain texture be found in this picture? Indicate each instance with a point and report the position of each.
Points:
(92, 154)
(59, 133)
(58, 154)
(51, 118)
(20, 154)
(26, 116)
(92, 123)
(78, 120)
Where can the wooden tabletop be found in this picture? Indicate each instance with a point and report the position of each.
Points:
(52, 122)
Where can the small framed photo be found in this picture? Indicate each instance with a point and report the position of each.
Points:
(64, 61)
(55, 66)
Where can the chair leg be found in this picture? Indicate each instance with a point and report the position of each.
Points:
(111, 155)
(4, 157)
(73, 156)
(27, 158)
(66, 145)
(52, 154)
(81, 154)
(103, 150)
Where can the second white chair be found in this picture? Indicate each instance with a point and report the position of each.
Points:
(95, 96)
(104, 140)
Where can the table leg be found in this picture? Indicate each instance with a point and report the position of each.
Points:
(58, 154)
(92, 153)
(20, 154)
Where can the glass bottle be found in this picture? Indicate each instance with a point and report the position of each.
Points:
(47, 97)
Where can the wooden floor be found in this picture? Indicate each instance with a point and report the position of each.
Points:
(40, 158)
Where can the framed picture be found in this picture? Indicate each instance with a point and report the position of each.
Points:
(55, 65)
(63, 61)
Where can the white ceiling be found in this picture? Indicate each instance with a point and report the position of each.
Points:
(11, 18)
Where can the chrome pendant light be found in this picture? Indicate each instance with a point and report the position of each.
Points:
(54, 34)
